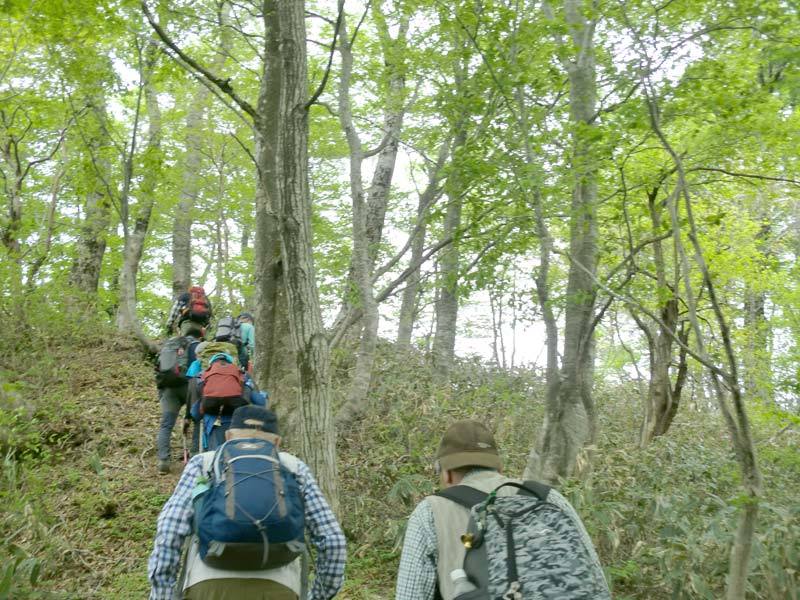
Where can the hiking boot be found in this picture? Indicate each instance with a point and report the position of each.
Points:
(163, 466)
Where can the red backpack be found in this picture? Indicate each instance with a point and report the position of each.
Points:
(222, 389)
(198, 309)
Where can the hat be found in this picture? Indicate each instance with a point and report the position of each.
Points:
(468, 444)
(254, 417)
(245, 315)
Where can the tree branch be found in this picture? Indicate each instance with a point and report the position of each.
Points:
(224, 85)
(315, 96)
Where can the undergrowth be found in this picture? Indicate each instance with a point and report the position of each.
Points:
(80, 495)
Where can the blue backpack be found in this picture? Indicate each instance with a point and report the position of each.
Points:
(250, 515)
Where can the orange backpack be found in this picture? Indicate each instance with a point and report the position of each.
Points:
(222, 389)
(199, 308)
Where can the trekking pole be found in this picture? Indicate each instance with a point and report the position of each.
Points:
(185, 447)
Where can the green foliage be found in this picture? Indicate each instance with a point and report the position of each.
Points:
(662, 518)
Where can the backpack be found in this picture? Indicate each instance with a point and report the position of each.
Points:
(198, 308)
(207, 350)
(174, 359)
(230, 330)
(521, 547)
(222, 388)
(250, 515)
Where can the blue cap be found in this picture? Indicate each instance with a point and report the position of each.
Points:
(254, 417)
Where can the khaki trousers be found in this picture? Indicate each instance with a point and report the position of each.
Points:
(239, 589)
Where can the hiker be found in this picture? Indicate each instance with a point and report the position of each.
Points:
(245, 321)
(553, 555)
(210, 510)
(172, 381)
(190, 313)
(217, 386)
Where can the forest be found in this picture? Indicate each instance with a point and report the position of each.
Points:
(577, 221)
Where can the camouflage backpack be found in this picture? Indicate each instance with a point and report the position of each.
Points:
(525, 547)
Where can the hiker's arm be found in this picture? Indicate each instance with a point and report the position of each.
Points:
(416, 577)
(173, 315)
(172, 529)
(327, 537)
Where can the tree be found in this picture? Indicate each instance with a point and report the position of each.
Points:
(280, 127)
(570, 416)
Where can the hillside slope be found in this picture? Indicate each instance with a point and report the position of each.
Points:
(81, 494)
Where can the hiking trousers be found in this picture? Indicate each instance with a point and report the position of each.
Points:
(172, 400)
(239, 589)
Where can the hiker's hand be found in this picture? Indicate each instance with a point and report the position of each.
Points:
(186, 424)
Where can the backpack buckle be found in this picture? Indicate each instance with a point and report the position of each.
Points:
(514, 592)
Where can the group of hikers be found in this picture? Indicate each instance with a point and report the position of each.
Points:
(209, 378)
(237, 523)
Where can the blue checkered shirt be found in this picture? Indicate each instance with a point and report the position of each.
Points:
(416, 578)
(175, 525)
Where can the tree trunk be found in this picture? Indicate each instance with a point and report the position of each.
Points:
(284, 96)
(91, 243)
(192, 162)
(127, 319)
(408, 307)
(758, 357)
(569, 422)
(369, 215)
(662, 400)
(276, 355)
(378, 194)
(444, 340)
(726, 384)
(446, 306)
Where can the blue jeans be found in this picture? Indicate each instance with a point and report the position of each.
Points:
(216, 437)
(171, 400)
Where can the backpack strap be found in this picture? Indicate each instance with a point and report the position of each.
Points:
(463, 495)
(535, 488)
(468, 497)
(208, 462)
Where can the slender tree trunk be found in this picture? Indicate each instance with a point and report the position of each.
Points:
(91, 244)
(378, 192)
(662, 400)
(127, 319)
(360, 261)
(758, 357)
(408, 307)
(541, 277)
(444, 340)
(369, 214)
(192, 163)
(44, 252)
(569, 423)
(726, 383)
(13, 192)
(446, 309)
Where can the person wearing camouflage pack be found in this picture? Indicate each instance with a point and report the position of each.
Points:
(433, 548)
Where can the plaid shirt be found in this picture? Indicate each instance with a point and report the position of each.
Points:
(416, 578)
(175, 525)
(175, 312)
